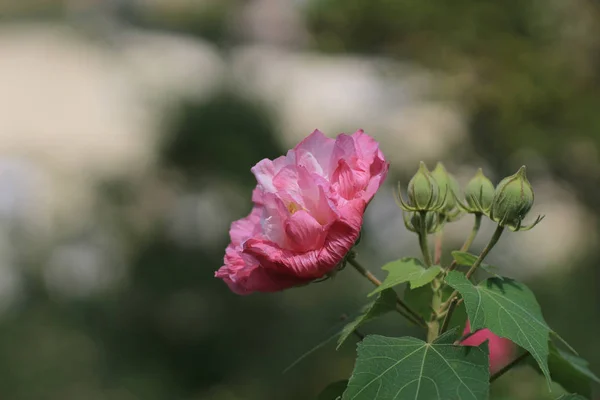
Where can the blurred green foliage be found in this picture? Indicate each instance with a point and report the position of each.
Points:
(227, 127)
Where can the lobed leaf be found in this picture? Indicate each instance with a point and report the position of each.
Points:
(571, 372)
(409, 368)
(509, 309)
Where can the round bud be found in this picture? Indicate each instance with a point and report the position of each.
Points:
(430, 221)
(479, 193)
(414, 221)
(513, 199)
(423, 190)
(448, 186)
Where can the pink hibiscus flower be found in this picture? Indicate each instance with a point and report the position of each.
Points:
(308, 212)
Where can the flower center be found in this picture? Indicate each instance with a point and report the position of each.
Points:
(293, 207)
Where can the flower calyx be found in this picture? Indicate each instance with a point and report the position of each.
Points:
(429, 222)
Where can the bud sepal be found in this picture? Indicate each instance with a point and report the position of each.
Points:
(413, 221)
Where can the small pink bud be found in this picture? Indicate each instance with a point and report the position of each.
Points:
(502, 350)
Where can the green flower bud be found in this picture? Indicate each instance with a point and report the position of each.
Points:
(479, 193)
(449, 188)
(423, 191)
(513, 199)
(414, 221)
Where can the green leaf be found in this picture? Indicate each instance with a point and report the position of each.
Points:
(570, 371)
(509, 309)
(464, 258)
(409, 270)
(468, 259)
(386, 302)
(409, 368)
(333, 391)
(571, 397)
(419, 300)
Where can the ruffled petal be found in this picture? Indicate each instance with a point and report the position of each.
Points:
(246, 227)
(244, 275)
(310, 264)
(378, 172)
(344, 149)
(304, 233)
(366, 147)
(314, 153)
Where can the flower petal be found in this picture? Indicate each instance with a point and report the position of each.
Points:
(314, 153)
(265, 170)
(244, 275)
(274, 215)
(311, 264)
(246, 227)
(304, 233)
(348, 182)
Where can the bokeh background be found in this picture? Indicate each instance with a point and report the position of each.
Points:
(127, 133)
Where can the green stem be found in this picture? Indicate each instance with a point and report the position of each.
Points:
(403, 308)
(465, 337)
(437, 253)
(359, 335)
(474, 231)
(510, 366)
(433, 329)
(448, 316)
(364, 272)
(486, 250)
(433, 326)
(423, 241)
(477, 263)
(470, 239)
